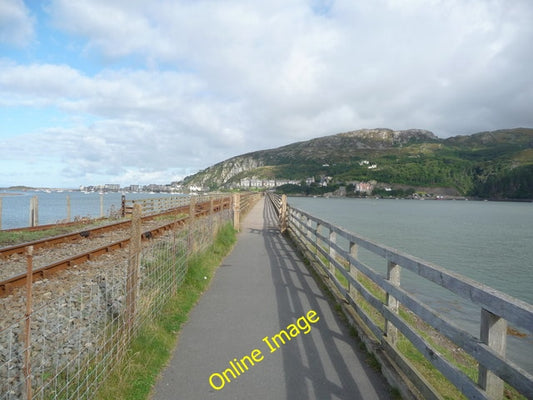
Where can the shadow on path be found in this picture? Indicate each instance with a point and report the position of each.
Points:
(324, 364)
(261, 288)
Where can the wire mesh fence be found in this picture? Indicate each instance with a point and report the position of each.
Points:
(77, 332)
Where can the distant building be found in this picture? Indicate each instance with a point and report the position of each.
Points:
(111, 187)
(196, 188)
(133, 188)
(363, 187)
(256, 183)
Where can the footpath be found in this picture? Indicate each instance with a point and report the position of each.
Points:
(264, 330)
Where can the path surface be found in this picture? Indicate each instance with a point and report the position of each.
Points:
(260, 289)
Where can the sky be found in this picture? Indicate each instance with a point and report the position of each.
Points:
(139, 92)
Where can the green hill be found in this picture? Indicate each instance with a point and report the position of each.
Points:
(496, 164)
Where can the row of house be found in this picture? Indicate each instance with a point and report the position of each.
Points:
(113, 187)
(368, 164)
(272, 183)
(246, 183)
(264, 183)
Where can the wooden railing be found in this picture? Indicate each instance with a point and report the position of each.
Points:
(336, 253)
(241, 202)
(154, 205)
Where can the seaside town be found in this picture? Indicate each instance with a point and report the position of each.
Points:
(245, 184)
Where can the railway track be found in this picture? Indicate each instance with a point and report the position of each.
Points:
(7, 285)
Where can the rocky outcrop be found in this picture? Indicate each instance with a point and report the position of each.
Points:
(331, 147)
(414, 157)
(382, 137)
(219, 174)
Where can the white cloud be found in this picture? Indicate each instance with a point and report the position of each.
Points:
(186, 84)
(16, 23)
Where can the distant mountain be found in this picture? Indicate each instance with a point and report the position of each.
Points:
(496, 164)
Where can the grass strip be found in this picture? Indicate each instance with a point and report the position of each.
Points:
(11, 238)
(134, 377)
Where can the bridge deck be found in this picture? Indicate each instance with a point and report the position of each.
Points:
(260, 289)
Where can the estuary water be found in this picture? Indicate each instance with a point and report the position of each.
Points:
(490, 242)
(53, 205)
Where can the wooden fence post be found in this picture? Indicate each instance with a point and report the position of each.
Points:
(317, 240)
(0, 213)
(212, 218)
(34, 211)
(354, 248)
(393, 275)
(123, 206)
(236, 211)
(283, 213)
(192, 225)
(101, 205)
(493, 332)
(309, 228)
(68, 208)
(27, 327)
(133, 266)
(332, 252)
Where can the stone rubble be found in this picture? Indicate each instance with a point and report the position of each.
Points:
(71, 312)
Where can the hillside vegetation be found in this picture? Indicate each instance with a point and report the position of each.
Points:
(496, 164)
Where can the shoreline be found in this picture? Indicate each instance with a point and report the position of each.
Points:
(449, 198)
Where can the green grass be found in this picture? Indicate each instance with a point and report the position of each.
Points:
(16, 237)
(10, 238)
(150, 350)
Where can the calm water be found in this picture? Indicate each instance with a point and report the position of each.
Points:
(490, 242)
(53, 206)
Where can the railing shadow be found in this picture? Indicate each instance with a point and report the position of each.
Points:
(325, 364)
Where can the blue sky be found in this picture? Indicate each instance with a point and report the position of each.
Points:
(135, 92)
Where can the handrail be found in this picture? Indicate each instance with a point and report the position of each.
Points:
(320, 239)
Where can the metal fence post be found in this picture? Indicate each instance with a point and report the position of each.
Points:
(27, 325)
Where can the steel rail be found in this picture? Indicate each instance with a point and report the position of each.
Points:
(7, 286)
(201, 209)
(87, 233)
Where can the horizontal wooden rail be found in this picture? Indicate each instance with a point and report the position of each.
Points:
(154, 205)
(321, 239)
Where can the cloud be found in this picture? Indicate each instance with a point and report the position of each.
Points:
(16, 23)
(152, 120)
(181, 85)
(383, 62)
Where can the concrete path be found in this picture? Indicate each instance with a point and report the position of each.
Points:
(260, 289)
